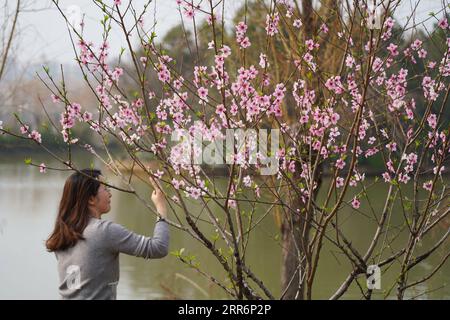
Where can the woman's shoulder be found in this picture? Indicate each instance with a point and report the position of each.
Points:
(98, 224)
(105, 227)
(96, 227)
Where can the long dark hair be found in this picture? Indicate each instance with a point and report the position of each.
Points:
(73, 214)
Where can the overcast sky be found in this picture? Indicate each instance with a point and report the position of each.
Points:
(44, 36)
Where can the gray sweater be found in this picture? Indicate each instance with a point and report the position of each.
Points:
(90, 269)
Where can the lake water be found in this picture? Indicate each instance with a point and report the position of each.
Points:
(28, 205)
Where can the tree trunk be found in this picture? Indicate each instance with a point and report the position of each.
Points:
(293, 256)
(295, 241)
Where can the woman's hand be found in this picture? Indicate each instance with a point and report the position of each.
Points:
(158, 198)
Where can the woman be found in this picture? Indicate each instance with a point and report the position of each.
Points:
(87, 248)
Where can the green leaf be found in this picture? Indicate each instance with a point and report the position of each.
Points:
(27, 160)
(175, 253)
(215, 237)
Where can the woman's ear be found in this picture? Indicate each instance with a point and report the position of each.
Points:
(91, 201)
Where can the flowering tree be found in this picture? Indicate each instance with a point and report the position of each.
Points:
(333, 85)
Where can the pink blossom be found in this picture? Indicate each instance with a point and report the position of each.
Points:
(404, 178)
(139, 103)
(203, 93)
(163, 73)
(67, 120)
(349, 61)
(411, 158)
(443, 24)
(247, 180)
(297, 23)
(117, 2)
(234, 109)
(370, 152)
(193, 192)
(143, 61)
(257, 191)
(263, 61)
(311, 45)
(242, 40)
(377, 65)
(42, 168)
(178, 83)
(390, 166)
(220, 109)
(428, 185)
(432, 122)
(36, 136)
(87, 116)
(226, 51)
(292, 166)
(189, 13)
(422, 53)
(245, 43)
(158, 174)
(391, 146)
(24, 129)
(289, 12)
(356, 203)
(339, 182)
(334, 84)
(241, 27)
(211, 18)
(334, 118)
(324, 28)
(117, 73)
(388, 25)
(340, 164)
(386, 177)
(392, 48)
(272, 24)
(416, 44)
(55, 98)
(435, 170)
(429, 90)
(178, 183)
